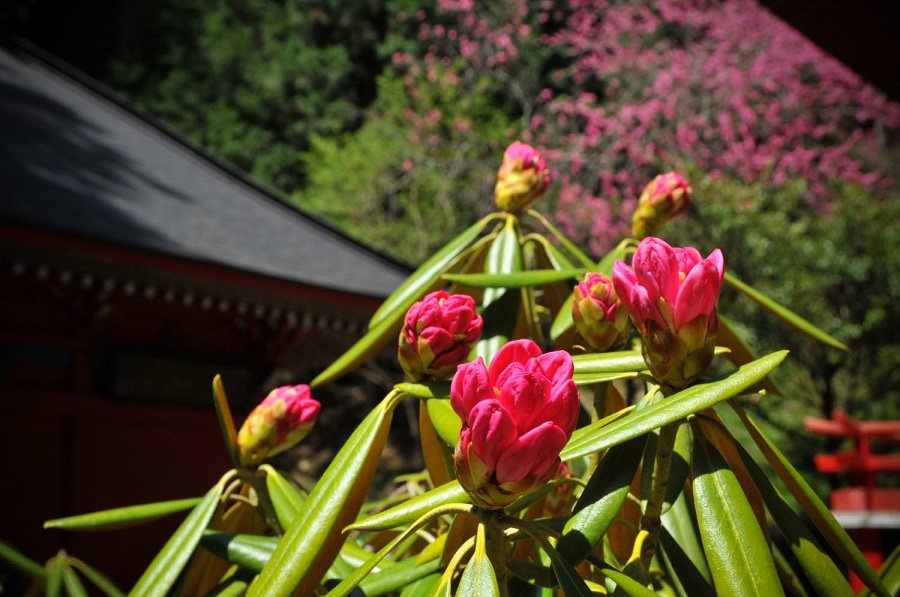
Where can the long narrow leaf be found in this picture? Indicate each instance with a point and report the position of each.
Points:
(681, 568)
(563, 239)
(736, 549)
(818, 512)
(601, 500)
(673, 408)
(783, 313)
(247, 551)
(118, 518)
(446, 422)
(516, 279)
(226, 420)
(821, 572)
(286, 499)
(74, 587)
(478, 579)
(413, 508)
(309, 547)
(398, 576)
(631, 587)
(99, 579)
(620, 361)
(428, 273)
(678, 522)
(163, 571)
(22, 562)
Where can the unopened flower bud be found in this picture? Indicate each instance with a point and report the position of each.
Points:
(437, 335)
(671, 294)
(516, 416)
(667, 196)
(522, 179)
(282, 419)
(598, 316)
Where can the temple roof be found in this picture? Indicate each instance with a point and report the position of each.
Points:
(77, 160)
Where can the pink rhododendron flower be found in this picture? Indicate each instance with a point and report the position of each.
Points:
(437, 335)
(523, 177)
(671, 295)
(282, 419)
(516, 416)
(598, 317)
(667, 196)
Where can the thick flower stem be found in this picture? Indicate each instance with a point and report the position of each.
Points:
(651, 520)
(495, 547)
(256, 481)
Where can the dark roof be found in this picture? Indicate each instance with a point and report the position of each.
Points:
(76, 161)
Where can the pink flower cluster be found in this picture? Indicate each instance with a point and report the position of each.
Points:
(516, 416)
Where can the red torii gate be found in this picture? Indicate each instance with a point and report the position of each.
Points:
(863, 508)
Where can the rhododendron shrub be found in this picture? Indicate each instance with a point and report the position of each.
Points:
(548, 468)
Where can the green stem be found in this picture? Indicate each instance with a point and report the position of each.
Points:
(495, 547)
(256, 480)
(651, 521)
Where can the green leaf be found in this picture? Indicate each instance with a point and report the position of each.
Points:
(478, 578)
(783, 313)
(23, 563)
(736, 549)
(821, 572)
(889, 571)
(95, 576)
(309, 547)
(587, 379)
(398, 576)
(621, 361)
(500, 306)
(247, 551)
(286, 499)
(413, 508)
(445, 420)
(163, 571)
(73, 585)
(601, 500)
(424, 587)
(121, 517)
(355, 578)
(569, 580)
(424, 278)
(596, 437)
(226, 420)
(55, 575)
(517, 279)
(679, 522)
(682, 569)
(627, 584)
(818, 512)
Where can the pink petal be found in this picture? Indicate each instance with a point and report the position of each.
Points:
(517, 351)
(656, 268)
(718, 261)
(624, 280)
(562, 407)
(469, 387)
(524, 396)
(493, 430)
(556, 365)
(698, 294)
(687, 258)
(534, 455)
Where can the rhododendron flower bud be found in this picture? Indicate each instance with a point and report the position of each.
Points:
(665, 197)
(671, 295)
(437, 335)
(522, 179)
(516, 416)
(598, 317)
(282, 419)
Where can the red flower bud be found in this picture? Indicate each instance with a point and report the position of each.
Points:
(282, 419)
(437, 335)
(667, 196)
(516, 416)
(671, 295)
(522, 179)
(597, 313)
